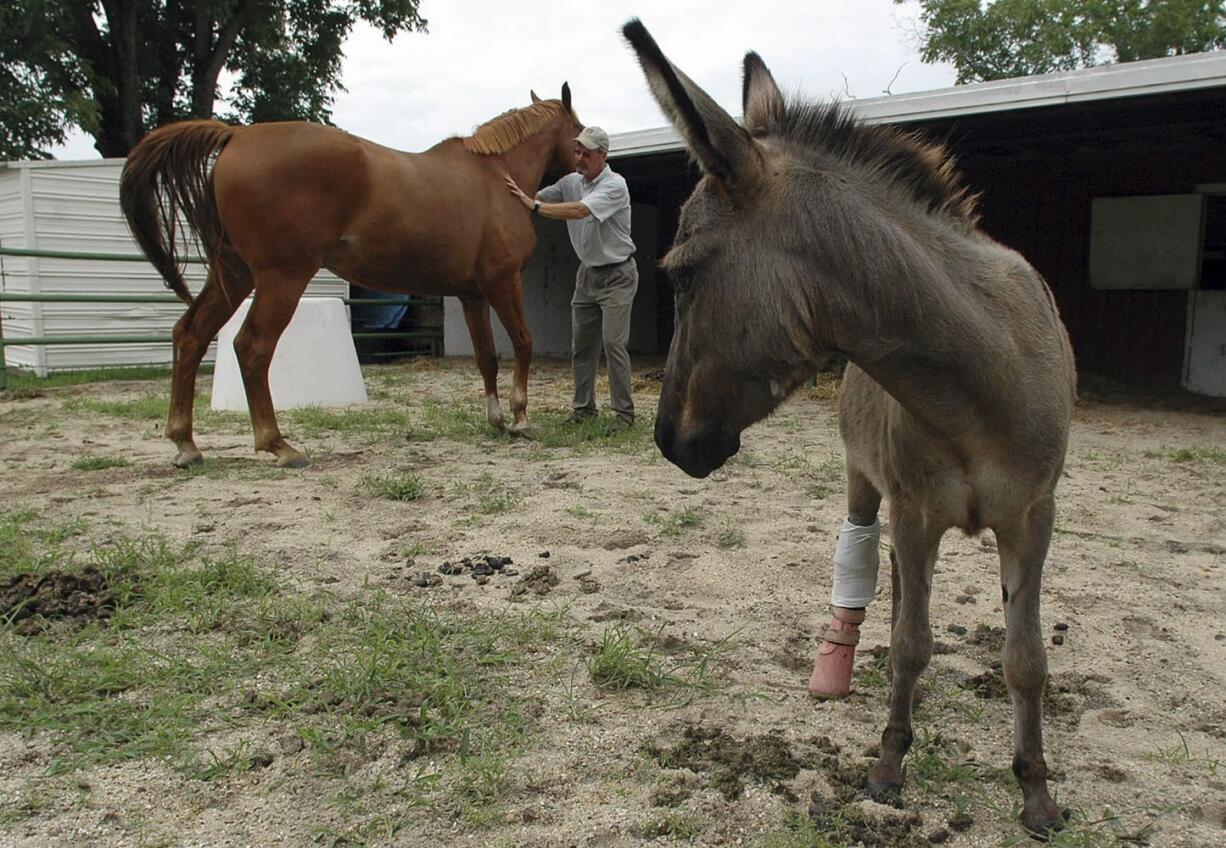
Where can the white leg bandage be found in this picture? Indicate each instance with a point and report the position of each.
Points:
(855, 565)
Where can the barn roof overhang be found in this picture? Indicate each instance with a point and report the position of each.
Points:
(1010, 106)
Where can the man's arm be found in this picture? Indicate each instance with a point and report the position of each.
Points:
(566, 211)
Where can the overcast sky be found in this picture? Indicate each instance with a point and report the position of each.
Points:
(480, 58)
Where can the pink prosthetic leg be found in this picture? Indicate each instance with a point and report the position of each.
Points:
(832, 672)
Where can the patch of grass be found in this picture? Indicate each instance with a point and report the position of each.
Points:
(260, 467)
(1180, 753)
(799, 831)
(675, 523)
(29, 545)
(98, 463)
(627, 658)
(730, 537)
(197, 649)
(314, 421)
(583, 513)
(25, 380)
(1213, 455)
(404, 486)
(487, 495)
(672, 825)
(1108, 830)
(147, 407)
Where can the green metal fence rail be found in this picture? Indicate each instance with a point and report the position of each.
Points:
(433, 336)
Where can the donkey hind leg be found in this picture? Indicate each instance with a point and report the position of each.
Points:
(216, 302)
(915, 547)
(837, 653)
(1023, 548)
(477, 317)
(276, 298)
(507, 298)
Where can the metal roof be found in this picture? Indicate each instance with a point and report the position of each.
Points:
(1104, 82)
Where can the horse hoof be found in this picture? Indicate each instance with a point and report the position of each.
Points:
(298, 461)
(522, 431)
(1044, 826)
(186, 460)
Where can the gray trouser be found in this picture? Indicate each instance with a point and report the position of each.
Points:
(600, 309)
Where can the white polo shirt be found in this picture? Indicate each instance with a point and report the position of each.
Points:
(603, 237)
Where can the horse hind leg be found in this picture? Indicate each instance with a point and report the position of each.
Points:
(1023, 548)
(477, 317)
(915, 547)
(276, 298)
(195, 329)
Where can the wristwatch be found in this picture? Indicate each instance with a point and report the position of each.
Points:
(536, 206)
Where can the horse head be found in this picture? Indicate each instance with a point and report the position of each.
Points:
(740, 345)
(568, 127)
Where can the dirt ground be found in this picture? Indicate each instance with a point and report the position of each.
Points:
(1134, 607)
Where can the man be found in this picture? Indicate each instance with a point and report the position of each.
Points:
(595, 204)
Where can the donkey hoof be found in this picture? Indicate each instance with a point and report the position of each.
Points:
(884, 791)
(295, 460)
(186, 459)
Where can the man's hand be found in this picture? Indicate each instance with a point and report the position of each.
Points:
(517, 191)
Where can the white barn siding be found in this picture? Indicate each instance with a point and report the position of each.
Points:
(74, 206)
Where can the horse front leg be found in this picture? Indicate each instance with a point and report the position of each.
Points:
(477, 317)
(508, 301)
(216, 302)
(276, 298)
(915, 549)
(1023, 549)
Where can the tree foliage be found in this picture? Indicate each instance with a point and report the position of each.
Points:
(118, 68)
(1013, 38)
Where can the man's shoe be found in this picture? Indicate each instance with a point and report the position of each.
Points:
(618, 424)
(580, 417)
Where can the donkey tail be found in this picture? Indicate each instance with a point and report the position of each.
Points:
(167, 179)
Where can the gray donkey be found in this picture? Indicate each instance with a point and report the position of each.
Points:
(808, 234)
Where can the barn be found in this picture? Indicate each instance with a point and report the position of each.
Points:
(1110, 180)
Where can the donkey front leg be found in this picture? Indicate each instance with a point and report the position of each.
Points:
(915, 547)
(1023, 548)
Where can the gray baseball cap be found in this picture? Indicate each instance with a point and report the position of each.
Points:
(594, 138)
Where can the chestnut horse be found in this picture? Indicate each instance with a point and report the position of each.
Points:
(271, 204)
(810, 233)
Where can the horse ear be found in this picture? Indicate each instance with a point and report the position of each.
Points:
(721, 147)
(566, 96)
(760, 98)
(535, 99)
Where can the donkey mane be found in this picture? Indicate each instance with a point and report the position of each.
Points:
(500, 134)
(926, 171)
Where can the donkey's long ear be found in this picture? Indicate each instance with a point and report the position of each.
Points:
(535, 99)
(721, 147)
(566, 97)
(763, 105)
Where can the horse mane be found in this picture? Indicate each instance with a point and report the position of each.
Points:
(500, 134)
(926, 171)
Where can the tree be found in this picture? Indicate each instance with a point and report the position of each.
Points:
(1013, 38)
(118, 68)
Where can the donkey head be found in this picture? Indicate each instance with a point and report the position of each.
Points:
(740, 345)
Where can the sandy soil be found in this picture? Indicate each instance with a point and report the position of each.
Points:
(1134, 594)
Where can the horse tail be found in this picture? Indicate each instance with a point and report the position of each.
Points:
(168, 177)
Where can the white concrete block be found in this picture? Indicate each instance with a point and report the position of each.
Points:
(315, 363)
